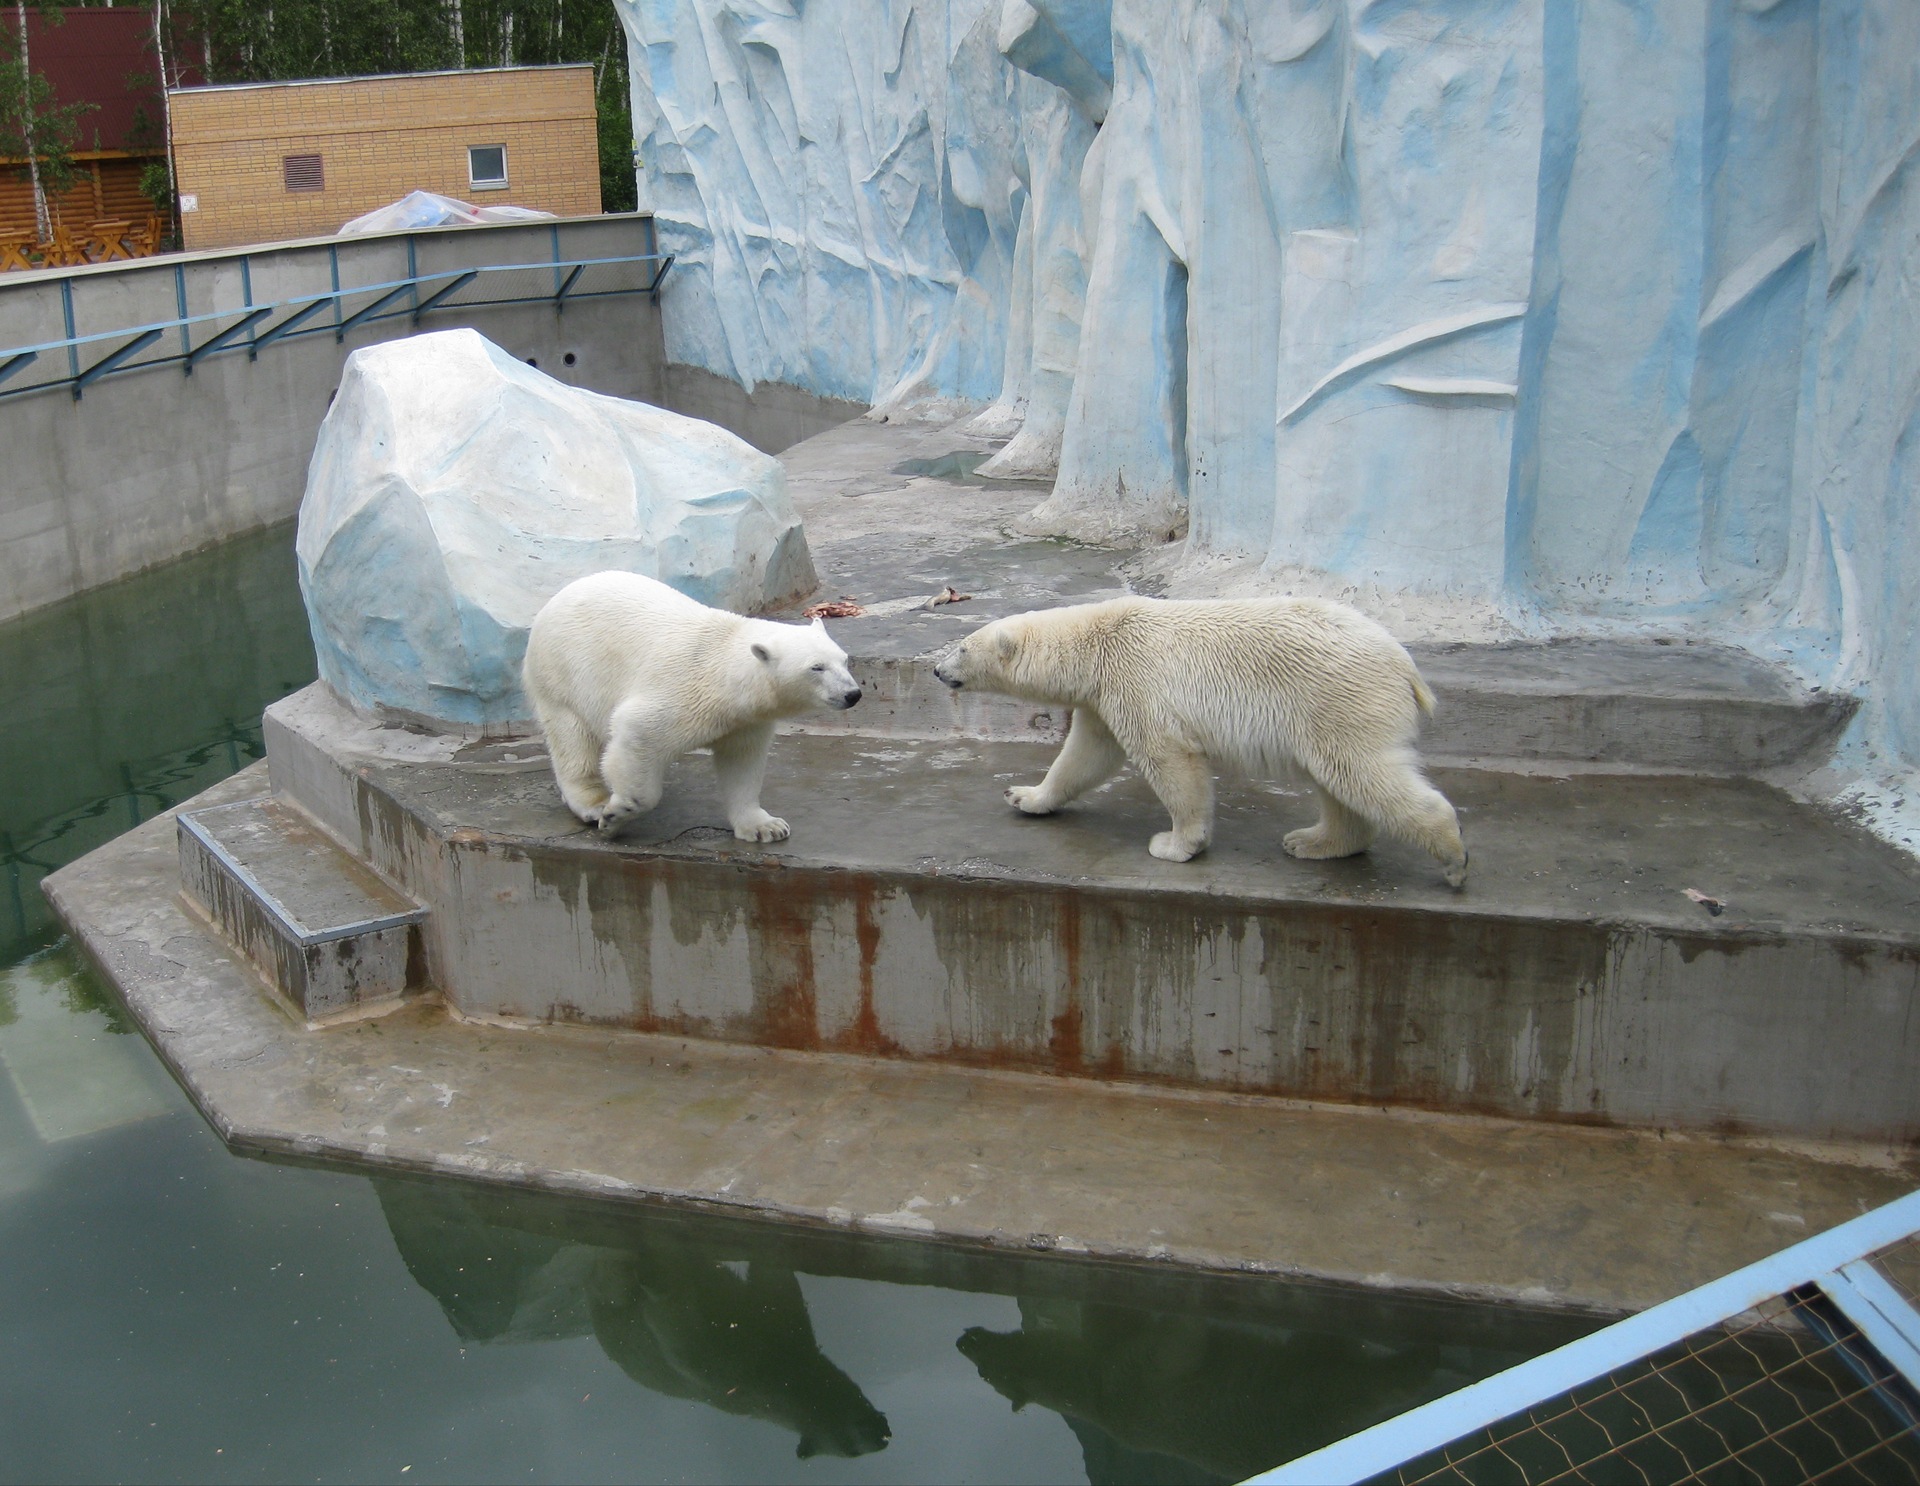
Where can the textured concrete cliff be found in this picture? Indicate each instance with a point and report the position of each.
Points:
(1526, 315)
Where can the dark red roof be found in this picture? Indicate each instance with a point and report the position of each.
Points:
(104, 57)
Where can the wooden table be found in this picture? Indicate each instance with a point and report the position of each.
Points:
(108, 241)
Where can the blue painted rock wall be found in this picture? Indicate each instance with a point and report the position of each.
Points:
(1566, 313)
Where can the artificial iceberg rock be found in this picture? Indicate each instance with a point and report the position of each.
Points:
(454, 489)
(1562, 314)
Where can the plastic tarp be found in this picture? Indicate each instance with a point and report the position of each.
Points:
(425, 209)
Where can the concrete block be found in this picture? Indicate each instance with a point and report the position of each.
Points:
(912, 915)
(326, 931)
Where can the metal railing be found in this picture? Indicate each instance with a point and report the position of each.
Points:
(1804, 1366)
(252, 327)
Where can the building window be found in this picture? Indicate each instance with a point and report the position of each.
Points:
(487, 166)
(303, 173)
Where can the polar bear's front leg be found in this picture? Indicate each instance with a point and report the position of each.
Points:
(740, 761)
(1184, 783)
(634, 765)
(1090, 756)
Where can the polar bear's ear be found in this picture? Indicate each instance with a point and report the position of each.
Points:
(819, 624)
(761, 653)
(1003, 644)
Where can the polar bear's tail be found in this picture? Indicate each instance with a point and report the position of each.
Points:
(1422, 694)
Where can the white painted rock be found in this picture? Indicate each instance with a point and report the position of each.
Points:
(454, 489)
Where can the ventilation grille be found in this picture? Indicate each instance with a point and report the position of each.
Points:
(304, 173)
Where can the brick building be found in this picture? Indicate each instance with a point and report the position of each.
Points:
(263, 162)
(102, 58)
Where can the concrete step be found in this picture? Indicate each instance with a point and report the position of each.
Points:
(1605, 705)
(889, 536)
(1662, 706)
(324, 928)
(912, 914)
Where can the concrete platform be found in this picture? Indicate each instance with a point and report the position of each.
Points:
(914, 915)
(1514, 1210)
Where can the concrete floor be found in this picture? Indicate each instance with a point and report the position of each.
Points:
(1520, 1211)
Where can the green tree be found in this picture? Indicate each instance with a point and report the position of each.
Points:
(33, 128)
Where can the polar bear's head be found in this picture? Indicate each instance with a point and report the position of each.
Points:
(807, 669)
(1046, 655)
(992, 658)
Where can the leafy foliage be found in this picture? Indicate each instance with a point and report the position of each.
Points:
(33, 128)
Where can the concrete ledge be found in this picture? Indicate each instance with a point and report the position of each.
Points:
(890, 535)
(1517, 1211)
(913, 915)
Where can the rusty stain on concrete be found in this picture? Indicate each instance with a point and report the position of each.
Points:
(1572, 982)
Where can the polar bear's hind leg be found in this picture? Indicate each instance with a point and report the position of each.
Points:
(1184, 783)
(740, 763)
(1388, 790)
(1340, 832)
(575, 753)
(1091, 755)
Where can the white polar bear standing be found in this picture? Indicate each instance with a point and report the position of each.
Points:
(625, 675)
(1178, 686)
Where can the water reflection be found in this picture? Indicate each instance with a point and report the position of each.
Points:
(731, 1334)
(140, 695)
(1229, 1399)
(738, 1340)
(1160, 1377)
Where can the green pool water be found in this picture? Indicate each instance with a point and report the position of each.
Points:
(170, 1311)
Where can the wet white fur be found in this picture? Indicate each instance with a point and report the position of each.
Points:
(625, 675)
(1178, 687)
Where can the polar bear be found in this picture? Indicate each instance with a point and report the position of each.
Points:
(1179, 686)
(625, 675)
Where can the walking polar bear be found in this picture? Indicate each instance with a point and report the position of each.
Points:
(1179, 686)
(625, 675)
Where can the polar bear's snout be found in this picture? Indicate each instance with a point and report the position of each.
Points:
(834, 685)
(947, 669)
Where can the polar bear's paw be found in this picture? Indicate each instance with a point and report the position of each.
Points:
(1455, 872)
(1026, 798)
(765, 828)
(611, 816)
(585, 806)
(1316, 844)
(1170, 846)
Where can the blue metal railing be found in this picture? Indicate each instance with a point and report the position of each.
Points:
(559, 281)
(1831, 1266)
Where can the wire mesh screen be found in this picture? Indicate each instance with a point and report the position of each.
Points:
(1795, 1395)
(1900, 1264)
